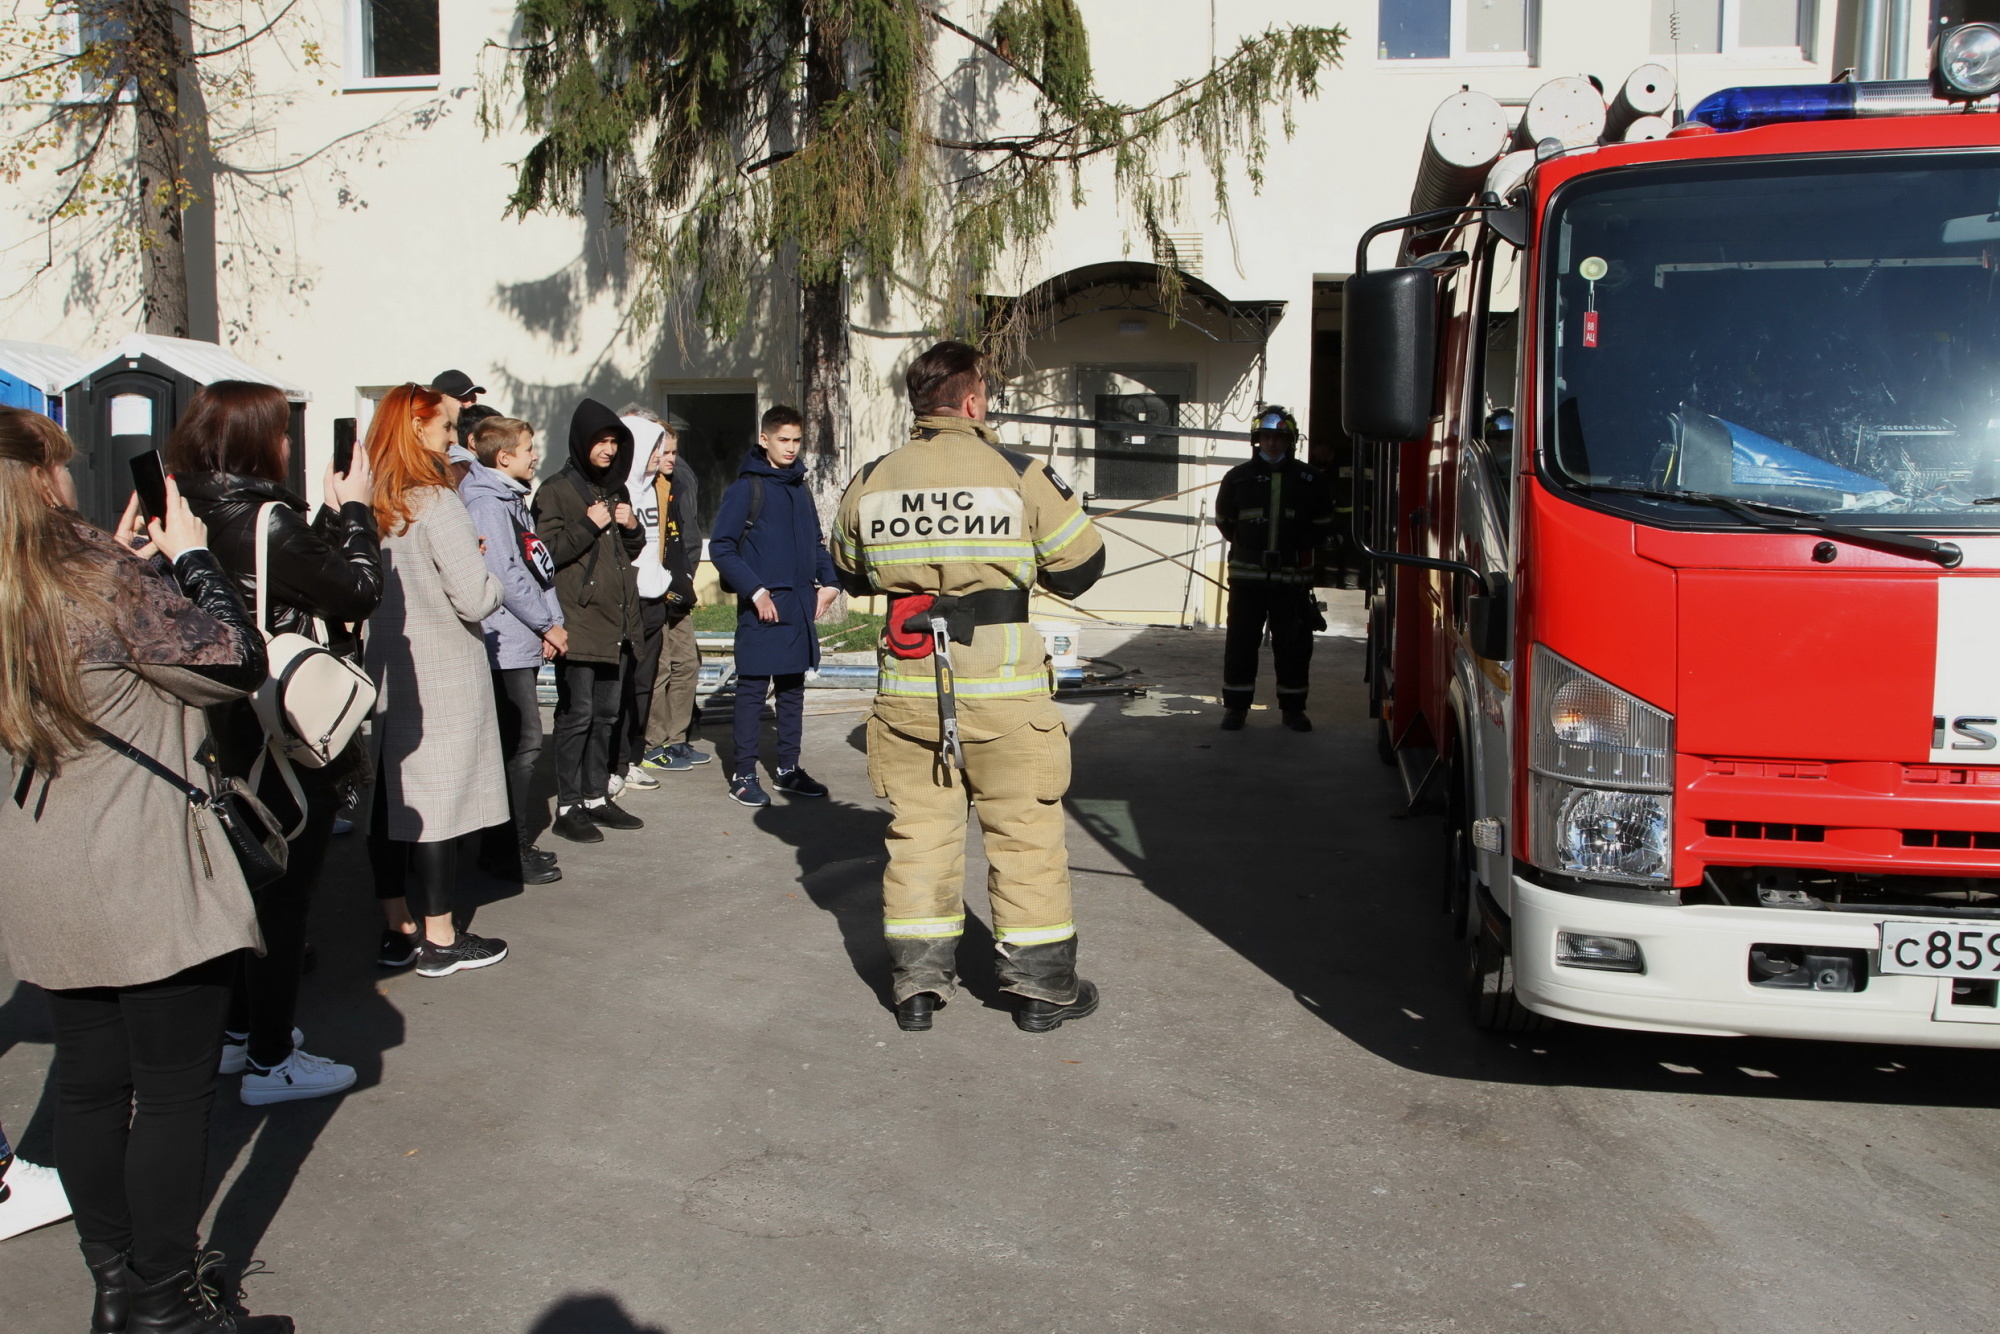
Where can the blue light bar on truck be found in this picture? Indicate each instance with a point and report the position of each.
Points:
(1747, 108)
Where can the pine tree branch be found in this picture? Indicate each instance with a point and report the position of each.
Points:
(994, 51)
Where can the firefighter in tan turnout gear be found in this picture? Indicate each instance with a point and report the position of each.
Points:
(956, 530)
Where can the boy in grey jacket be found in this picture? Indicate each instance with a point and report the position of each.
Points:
(527, 629)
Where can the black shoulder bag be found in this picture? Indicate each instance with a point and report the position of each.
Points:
(253, 832)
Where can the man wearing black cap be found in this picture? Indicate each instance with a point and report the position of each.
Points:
(458, 385)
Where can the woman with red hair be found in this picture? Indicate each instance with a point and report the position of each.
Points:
(437, 741)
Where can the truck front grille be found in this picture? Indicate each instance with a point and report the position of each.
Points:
(1782, 833)
(1950, 838)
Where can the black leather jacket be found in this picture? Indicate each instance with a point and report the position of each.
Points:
(330, 568)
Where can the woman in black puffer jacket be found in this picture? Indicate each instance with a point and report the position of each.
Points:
(230, 455)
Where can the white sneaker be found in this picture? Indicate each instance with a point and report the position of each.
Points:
(614, 785)
(300, 1075)
(236, 1051)
(639, 781)
(34, 1199)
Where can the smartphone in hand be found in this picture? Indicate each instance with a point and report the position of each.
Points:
(149, 479)
(343, 444)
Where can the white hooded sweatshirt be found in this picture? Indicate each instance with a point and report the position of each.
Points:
(654, 581)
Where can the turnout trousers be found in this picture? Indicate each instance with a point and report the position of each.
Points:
(1014, 783)
(1288, 610)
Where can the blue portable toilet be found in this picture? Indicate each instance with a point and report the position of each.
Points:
(34, 375)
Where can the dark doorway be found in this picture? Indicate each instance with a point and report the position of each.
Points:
(722, 428)
(1327, 446)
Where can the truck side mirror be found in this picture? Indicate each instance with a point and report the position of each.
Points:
(1388, 354)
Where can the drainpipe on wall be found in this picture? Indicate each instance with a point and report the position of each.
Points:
(1868, 41)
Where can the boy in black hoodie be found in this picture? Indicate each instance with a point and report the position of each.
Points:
(584, 515)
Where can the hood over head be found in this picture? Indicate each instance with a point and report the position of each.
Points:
(645, 437)
(590, 420)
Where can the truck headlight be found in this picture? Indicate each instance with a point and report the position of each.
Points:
(1601, 803)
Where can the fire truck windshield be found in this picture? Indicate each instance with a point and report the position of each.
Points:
(1820, 334)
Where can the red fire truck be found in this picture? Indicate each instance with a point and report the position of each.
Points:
(1684, 511)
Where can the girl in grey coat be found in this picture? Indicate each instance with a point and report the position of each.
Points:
(118, 895)
(436, 739)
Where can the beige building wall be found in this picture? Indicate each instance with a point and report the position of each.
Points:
(362, 241)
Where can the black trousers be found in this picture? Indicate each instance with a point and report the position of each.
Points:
(520, 714)
(790, 704)
(586, 726)
(1289, 612)
(265, 999)
(635, 695)
(426, 874)
(135, 1082)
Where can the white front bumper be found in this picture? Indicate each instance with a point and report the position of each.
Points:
(1697, 977)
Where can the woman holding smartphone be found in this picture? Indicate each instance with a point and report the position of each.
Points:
(230, 454)
(437, 740)
(117, 896)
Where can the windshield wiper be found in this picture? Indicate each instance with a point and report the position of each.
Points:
(1785, 519)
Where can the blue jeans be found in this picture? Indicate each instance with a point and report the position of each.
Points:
(791, 706)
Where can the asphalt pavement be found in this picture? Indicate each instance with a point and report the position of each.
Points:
(682, 1105)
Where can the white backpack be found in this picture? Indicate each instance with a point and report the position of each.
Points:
(314, 700)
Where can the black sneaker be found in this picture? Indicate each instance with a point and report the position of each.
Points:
(683, 751)
(468, 951)
(397, 950)
(1232, 720)
(1296, 720)
(745, 790)
(576, 826)
(529, 865)
(613, 816)
(797, 782)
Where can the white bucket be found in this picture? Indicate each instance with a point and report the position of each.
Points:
(1060, 639)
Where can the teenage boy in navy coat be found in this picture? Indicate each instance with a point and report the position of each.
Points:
(768, 548)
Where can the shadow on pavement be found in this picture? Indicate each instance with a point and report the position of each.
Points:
(590, 1313)
(345, 1017)
(25, 1018)
(1293, 851)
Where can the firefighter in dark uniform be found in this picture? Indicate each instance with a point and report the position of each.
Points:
(1276, 513)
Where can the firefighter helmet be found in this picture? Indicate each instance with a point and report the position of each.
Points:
(1275, 419)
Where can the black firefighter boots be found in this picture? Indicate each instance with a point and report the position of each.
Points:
(1044, 977)
(925, 976)
(914, 1015)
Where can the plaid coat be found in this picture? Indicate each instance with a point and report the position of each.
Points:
(436, 738)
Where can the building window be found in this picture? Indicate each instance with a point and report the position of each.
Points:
(98, 37)
(1732, 27)
(392, 43)
(1469, 31)
(1144, 461)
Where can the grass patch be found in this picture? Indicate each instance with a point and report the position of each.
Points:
(854, 631)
